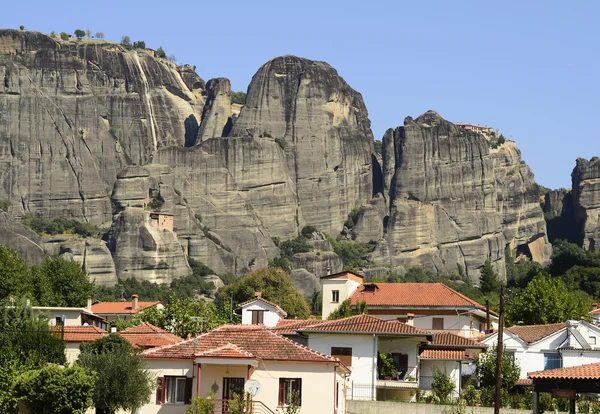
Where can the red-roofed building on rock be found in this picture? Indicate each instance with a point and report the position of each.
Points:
(124, 310)
(222, 361)
(431, 306)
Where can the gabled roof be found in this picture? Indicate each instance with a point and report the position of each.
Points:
(365, 324)
(251, 301)
(450, 340)
(347, 273)
(110, 308)
(413, 295)
(147, 335)
(87, 333)
(534, 333)
(225, 351)
(253, 339)
(451, 354)
(581, 372)
(291, 326)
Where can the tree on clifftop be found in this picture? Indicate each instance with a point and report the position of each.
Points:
(79, 34)
(275, 286)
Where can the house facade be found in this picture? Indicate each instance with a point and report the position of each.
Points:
(220, 363)
(259, 311)
(544, 347)
(431, 306)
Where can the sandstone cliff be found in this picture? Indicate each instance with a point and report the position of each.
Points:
(586, 198)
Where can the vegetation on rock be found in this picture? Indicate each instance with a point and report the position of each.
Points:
(59, 225)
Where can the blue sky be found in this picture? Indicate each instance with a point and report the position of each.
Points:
(529, 68)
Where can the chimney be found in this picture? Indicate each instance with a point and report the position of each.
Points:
(258, 295)
(410, 319)
(134, 302)
(89, 303)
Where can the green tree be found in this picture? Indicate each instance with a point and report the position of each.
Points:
(238, 98)
(22, 27)
(70, 286)
(274, 284)
(55, 389)
(126, 42)
(442, 386)
(345, 310)
(9, 370)
(15, 276)
(547, 300)
(160, 52)
(64, 36)
(79, 34)
(488, 281)
(485, 372)
(122, 379)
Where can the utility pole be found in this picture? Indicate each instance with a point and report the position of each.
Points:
(499, 353)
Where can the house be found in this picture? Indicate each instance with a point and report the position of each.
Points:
(112, 311)
(221, 362)
(161, 220)
(146, 336)
(357, 342)
(544, 347)
(74, 336)
(431, 306)
(259, 311)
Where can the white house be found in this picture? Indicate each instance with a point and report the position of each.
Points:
(543, 347)
(259, 311)
(357, 341)
(431, 306)
(219, 363)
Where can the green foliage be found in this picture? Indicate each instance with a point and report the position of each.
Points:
(139, 44)
(281, 142)
(377, 147)
(287, 249)
(59, 225)
(385, 364)
(79, 34)
(201, 405)
(442, 386)
(64, 36)
(488, 281)
(55, 389)
(568, 255)
(353, 254)
(16, 279)
(22, 27)
(156, 203)
(123, 381)
(161, 53)
(307, 231)
(238, 98)
(9, 370)
(293, 407)
(126, 42)
(316, 303)
(353, 217)
(240, 404)
(547, 300)
(486, 369)
(345, 309)
(5, 205)
(67, 283)
(470, 394)
(276, 286)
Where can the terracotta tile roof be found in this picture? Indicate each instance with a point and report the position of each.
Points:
(81, 333)
(254, 339)
(524, 381)
(290, 326)
(533, 333)
(452, 354)
(451, 340)
(225, 351)
(109, 308)
(412, 295)
(581, 372)
(263, 301)
(365, 324)
(147, 335)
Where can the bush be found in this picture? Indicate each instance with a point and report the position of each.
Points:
(353, 254)
(281, 142)
(238, 98)
(471, 394)
(442, 386)
(59, 225)
(79, 34)
(4, 205)
(201, 405)
(22, 27)
(353, 218)
(139, 44)
(307, 231)
(64, 36)
(156, 203)
(161, 53)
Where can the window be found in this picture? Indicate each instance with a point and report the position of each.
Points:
(437, 323)
(344, 354)
(59, 321)
(552, 360)
(335, 296)
(401, 364)
(592, 340)
(174, 390)
(258, 317)
(290, 389)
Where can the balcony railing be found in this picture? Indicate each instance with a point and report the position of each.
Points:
(410, 374)
(257, 407)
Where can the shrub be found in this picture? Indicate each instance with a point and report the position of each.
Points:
(139, 44)
(201, 405)
(471, 394)
(64, 36)
(442, 386)
(156, 203)
(161, 53)
(53, 34)
(238, 98)
(59, 225)
(79, 34)
(281, 142)
(22, 27)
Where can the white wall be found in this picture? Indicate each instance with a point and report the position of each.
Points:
(465, 325)
(575, 357)
(72, 316)
(271, 317)
(346, 288)
(409, 346)
(450, 368)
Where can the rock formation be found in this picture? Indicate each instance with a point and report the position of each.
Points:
(216, 117)
(586, 198)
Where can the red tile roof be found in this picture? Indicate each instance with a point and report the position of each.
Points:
(147, 335)
(365, 324)
(82, 333)
(452, 354)
(581, 372)
(524, 381)
(110, 308)
(226, 351)
(533, 333)
(412, 295)
(290, 326)
(254, 339)
(446, 339)
(263, 301)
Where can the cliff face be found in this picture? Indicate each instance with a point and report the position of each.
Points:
(72, 114)
(586, 198)
(453, 201)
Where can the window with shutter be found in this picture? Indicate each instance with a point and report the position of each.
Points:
(344, 355)
(160, 387)
(290, 389)
(175, 390)
(258, 317)
(437, 323)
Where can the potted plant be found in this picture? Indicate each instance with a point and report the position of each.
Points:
(386, 365)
